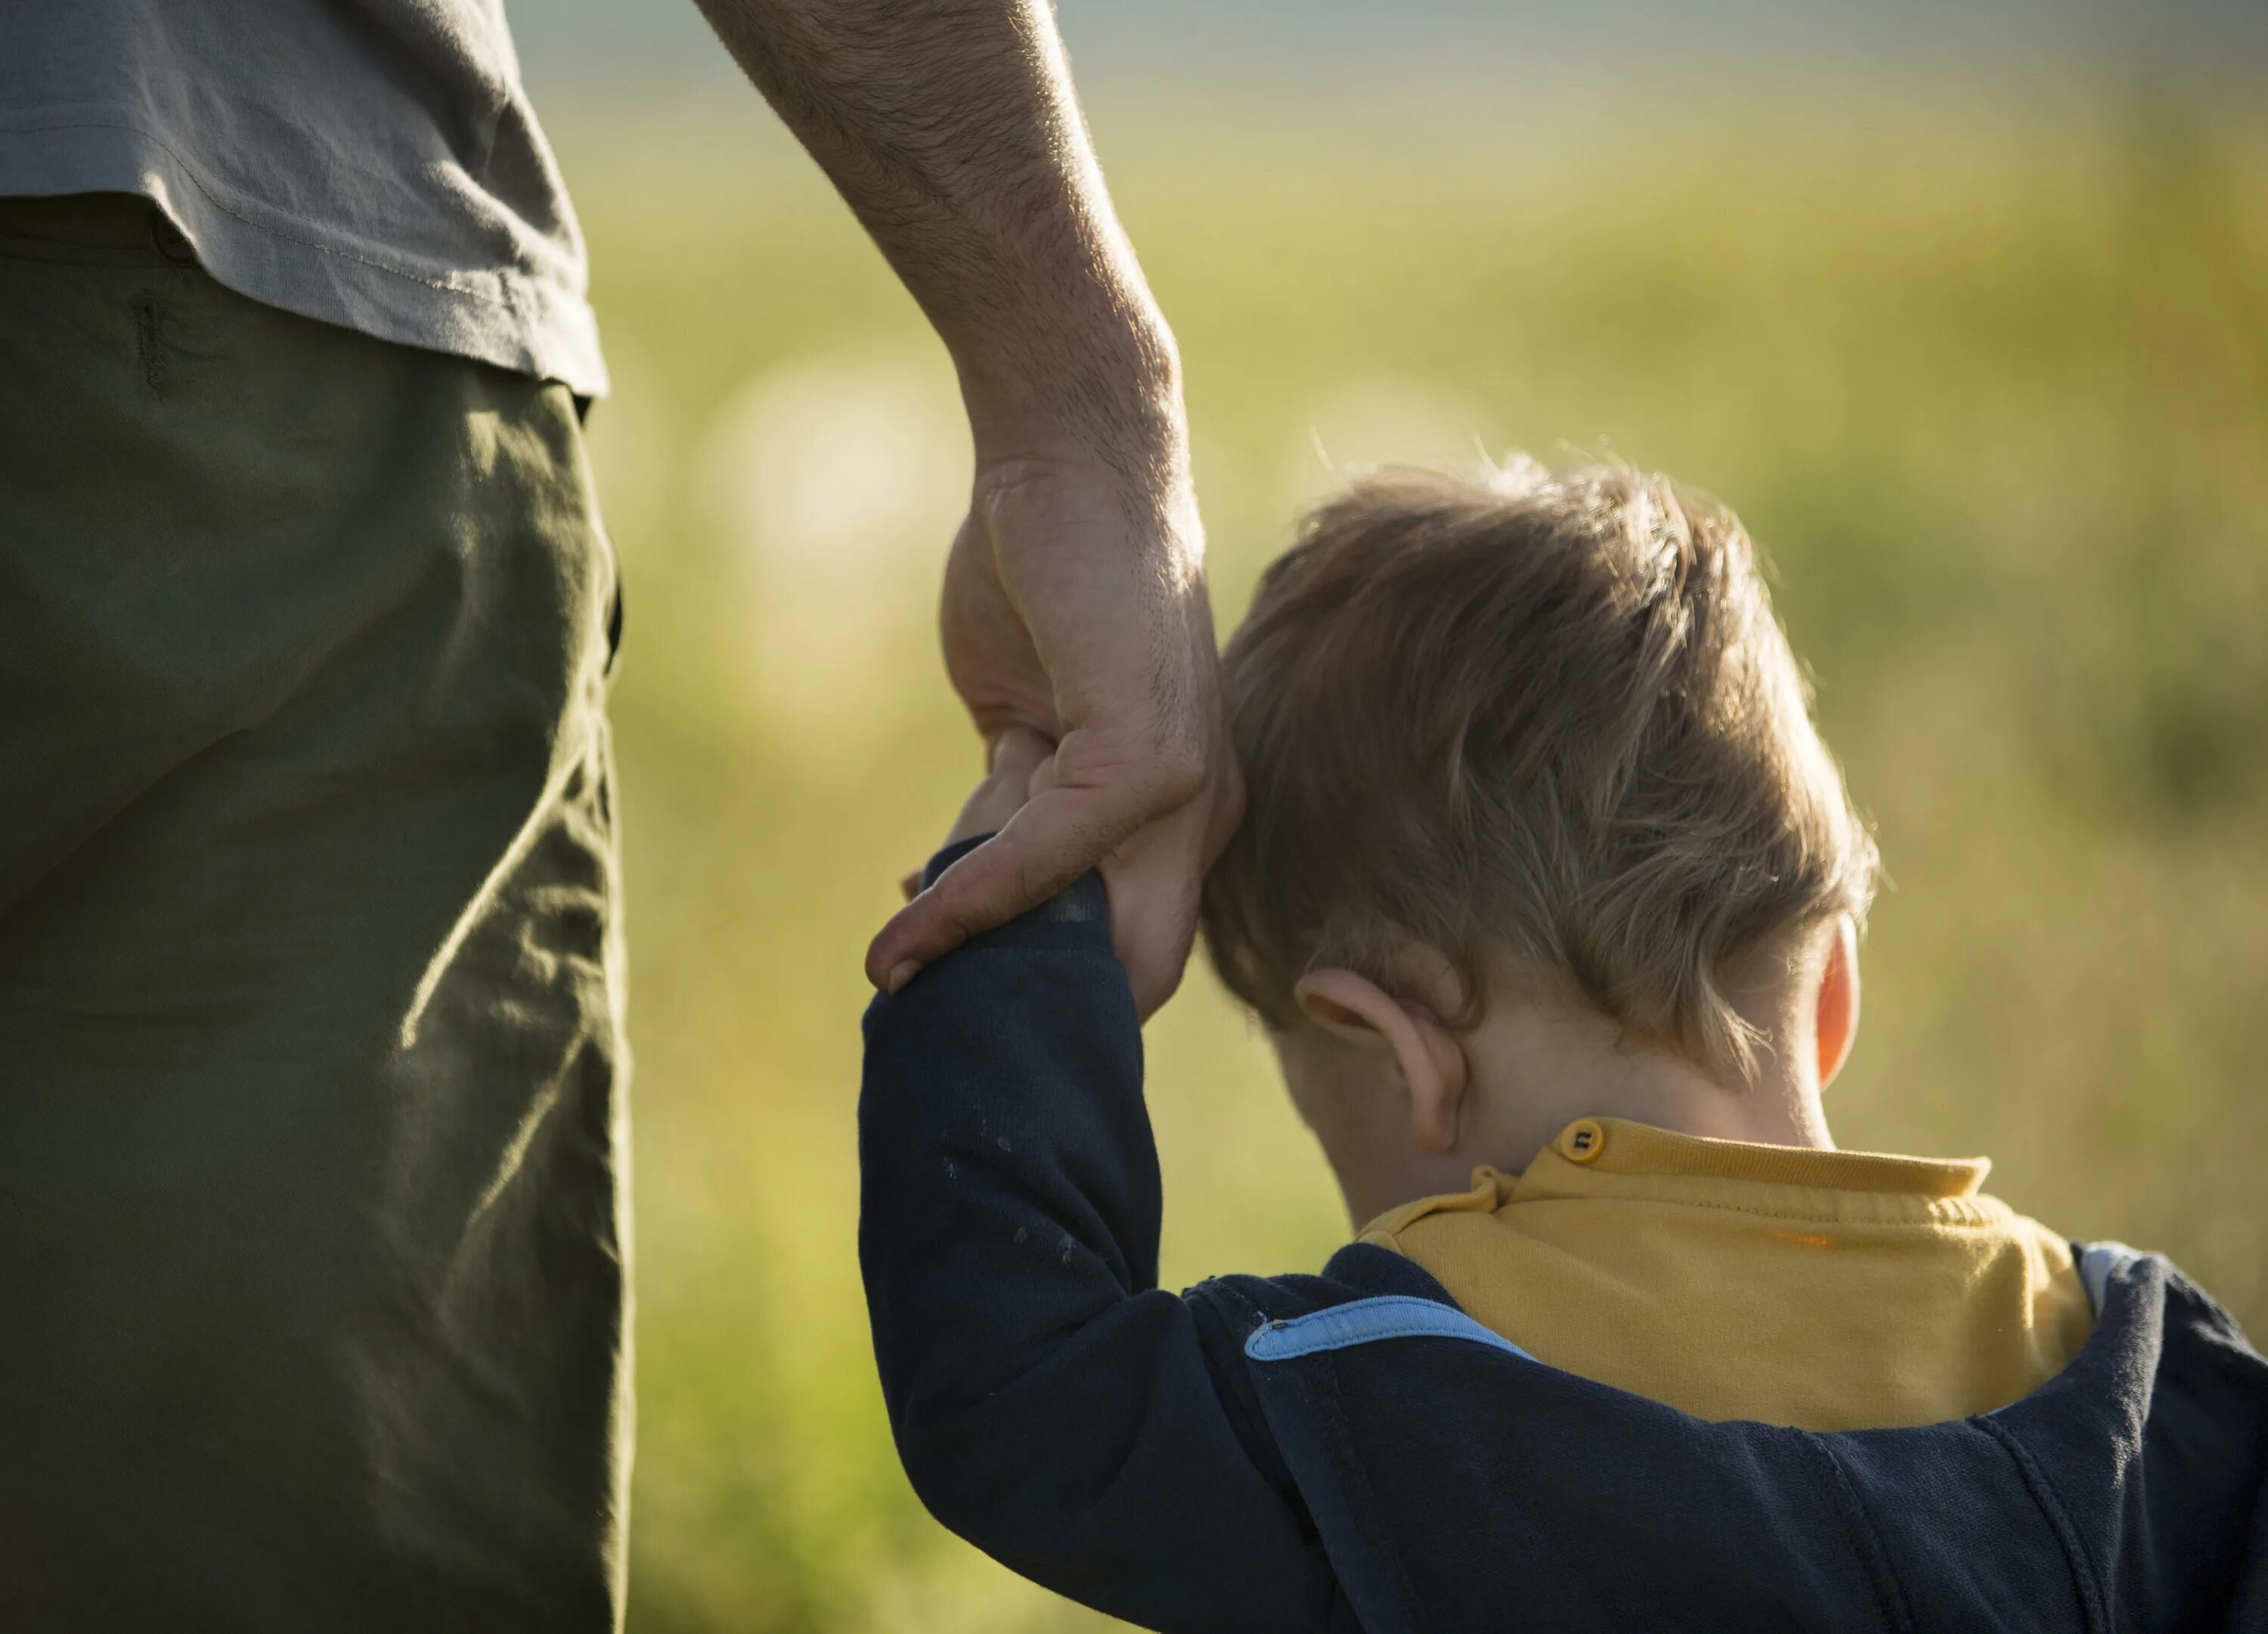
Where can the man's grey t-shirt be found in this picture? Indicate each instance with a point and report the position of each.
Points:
(370, 163)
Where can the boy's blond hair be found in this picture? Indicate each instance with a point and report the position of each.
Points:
(1546, 716)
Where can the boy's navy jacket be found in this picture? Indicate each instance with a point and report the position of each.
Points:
(1350, 1451)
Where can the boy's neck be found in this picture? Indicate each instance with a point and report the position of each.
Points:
(1766, 1116)
(1531, 1081)
(1513, 1120)
(1535, 1061)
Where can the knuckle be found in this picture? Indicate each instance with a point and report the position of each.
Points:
(959, 915)
(983, 896)
(1180, 772)
(1233, 800)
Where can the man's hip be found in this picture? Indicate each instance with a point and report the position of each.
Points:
(312, 1234)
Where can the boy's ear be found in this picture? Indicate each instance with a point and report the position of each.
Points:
(1838, 1000)
(1356, 1010)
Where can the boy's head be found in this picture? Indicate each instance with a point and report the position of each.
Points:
(1529, 763)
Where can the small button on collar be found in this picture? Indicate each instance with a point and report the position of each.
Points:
(1582, 1141)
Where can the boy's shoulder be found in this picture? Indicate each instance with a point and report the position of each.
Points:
(1438, 1475)
(1242, 1305)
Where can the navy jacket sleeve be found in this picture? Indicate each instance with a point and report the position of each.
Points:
(1050, 1403)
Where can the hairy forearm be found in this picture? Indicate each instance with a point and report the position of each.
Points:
(951, 129)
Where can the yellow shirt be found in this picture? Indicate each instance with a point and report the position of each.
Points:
(1825, 1290)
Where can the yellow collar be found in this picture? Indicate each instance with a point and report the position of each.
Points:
(1614, 1158)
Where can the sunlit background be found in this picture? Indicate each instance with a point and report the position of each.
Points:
(1965, 308)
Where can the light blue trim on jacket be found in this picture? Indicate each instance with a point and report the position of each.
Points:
(1362, 1322)
(2096, 1262)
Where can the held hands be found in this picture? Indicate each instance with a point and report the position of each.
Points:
(1074, 599)
(1019, 764)
(1077, 630)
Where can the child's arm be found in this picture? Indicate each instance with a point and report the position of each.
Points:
(1051, 1405)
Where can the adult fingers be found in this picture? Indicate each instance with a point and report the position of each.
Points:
(1156, 879)
(1056, 837)
(1014, 756)
(1153, 884)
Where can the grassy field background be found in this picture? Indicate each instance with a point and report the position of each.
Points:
(1988, 378)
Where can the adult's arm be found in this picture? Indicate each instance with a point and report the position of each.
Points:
(1075, 597)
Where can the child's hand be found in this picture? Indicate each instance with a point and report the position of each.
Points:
(1021, 764)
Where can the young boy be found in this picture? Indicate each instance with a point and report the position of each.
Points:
(1548, 895)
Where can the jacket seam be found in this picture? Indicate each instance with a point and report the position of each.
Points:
(1866, 1541)
(2043, 1493)
(1250, 1433)
(1390, 1562)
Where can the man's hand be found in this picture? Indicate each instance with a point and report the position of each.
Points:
(1016, 766)
(1074, 598)
(1078, 611)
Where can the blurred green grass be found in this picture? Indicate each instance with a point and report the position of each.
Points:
(1991, 383)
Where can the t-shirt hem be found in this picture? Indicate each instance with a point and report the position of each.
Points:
(501, 316)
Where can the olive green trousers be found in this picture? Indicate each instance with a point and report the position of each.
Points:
(312, 1228)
